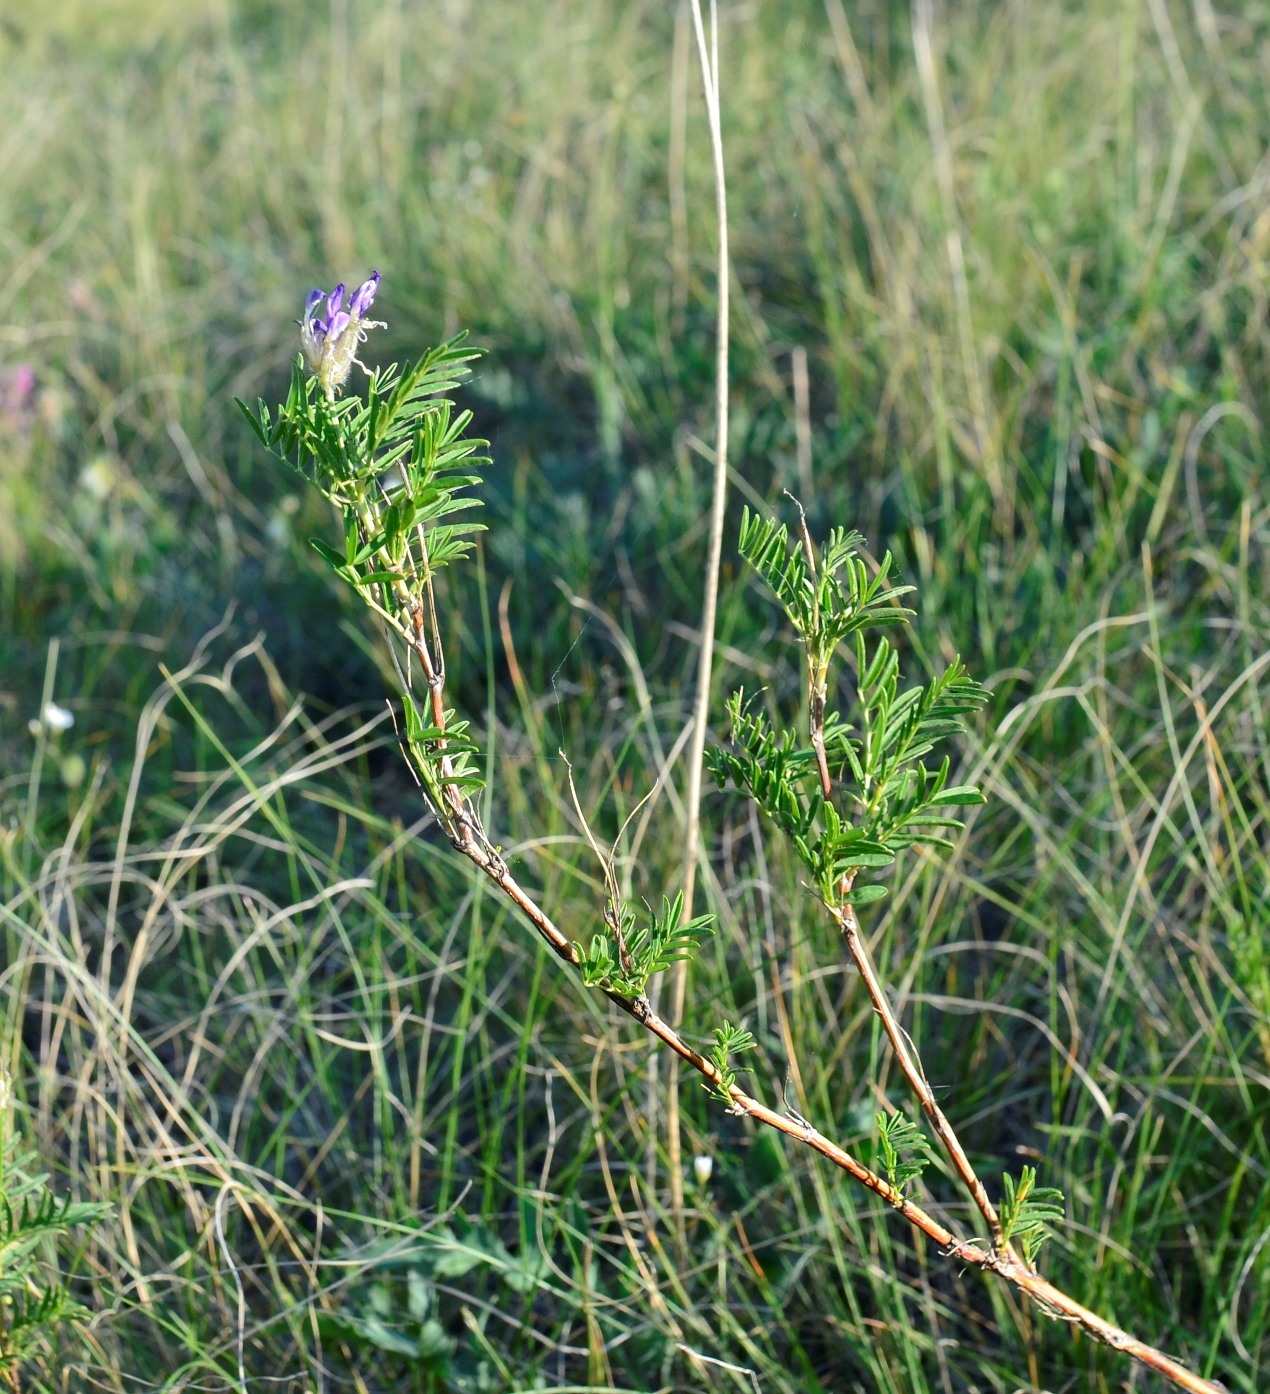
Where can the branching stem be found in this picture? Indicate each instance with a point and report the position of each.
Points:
(998, 1259)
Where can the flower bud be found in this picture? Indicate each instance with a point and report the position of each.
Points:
(363, 296)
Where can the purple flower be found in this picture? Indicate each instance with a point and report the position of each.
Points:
(18, 405)
(311, 303)
(330, 341)
(363, 296)
(24, 374)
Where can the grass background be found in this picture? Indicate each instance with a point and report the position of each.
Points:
(358, 1134)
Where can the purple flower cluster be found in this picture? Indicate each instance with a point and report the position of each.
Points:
(330, 340)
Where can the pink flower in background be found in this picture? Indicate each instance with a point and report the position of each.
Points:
(18, 402)
(17, 395)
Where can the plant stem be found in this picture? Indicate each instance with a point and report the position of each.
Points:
(911, 1067)
(1000, 1260)
(817, 667)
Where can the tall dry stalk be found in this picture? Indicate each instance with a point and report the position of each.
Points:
(708, 57)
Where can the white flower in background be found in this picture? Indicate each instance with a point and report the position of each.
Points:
(57, 718)
(98, 479)
(702, 1169)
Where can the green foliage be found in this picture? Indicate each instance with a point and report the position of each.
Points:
(903, 1149)
(825, 598)
(31, 1216)
(396, 1319)
(729, 1040)
(394, 463)
(393, 1307)
(773, 768)
(634, 951)
(1026, 1209)
(901, 800)
(425, 740)
(397, 466)
(882, 796)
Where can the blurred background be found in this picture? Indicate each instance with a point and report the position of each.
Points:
(1000, 274)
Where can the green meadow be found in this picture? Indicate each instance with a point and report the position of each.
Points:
(999, 301)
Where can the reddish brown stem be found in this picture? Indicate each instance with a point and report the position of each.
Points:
(916, 1077)
(817, 724)
(1003, 1262)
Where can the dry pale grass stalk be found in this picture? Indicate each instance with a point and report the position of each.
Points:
(708, 56)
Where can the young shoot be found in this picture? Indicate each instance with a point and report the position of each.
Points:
(398, 467)
(903, 1149)
(1028, 1209)
(632, 952)
(852, 796)
(729, 1040)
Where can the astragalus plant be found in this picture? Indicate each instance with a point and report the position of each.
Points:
(851, 791)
